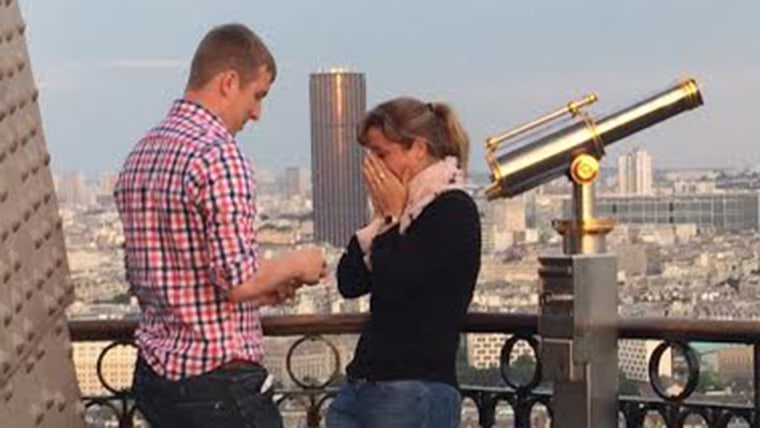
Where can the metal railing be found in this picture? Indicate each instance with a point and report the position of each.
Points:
(675, 409)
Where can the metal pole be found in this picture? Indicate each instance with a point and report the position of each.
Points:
(578, 319)
(756, 384)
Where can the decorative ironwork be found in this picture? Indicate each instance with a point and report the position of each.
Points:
(120, 402)
(506, 369)
(674, 410)
(315, 393)
(312, 385)
(692, 363)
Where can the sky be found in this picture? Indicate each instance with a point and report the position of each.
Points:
(108, 71)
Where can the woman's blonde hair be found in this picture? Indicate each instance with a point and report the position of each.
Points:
(404, 119)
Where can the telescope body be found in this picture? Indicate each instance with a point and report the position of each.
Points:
(538, 162)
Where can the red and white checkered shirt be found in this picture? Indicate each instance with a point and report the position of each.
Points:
(185, 196)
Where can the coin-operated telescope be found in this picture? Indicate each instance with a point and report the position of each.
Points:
(578, 297)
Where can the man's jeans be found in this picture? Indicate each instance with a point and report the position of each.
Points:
(404, 403)
(224, 398)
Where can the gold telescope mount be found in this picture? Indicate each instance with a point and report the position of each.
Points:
(578, 299)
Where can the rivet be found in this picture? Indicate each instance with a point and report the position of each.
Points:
(49, 399)
(19, 344)
(50, 304)
(61, 400)
(5, 362)
(7, 393)
(39, 281)
(29, 365)
(37, 413)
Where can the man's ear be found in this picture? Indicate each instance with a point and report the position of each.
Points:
(229, 82)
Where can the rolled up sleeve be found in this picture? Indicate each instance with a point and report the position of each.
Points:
(227, 201)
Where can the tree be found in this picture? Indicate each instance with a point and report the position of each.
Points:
(709, 381)
(121, 298)
(627, 386)
(480, 377)
(523, 369)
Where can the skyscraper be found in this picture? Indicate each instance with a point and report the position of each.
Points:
(296, 181)
(72, 188)
(635, 173)
(338, 103)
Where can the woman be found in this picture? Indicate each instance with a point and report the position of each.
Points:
(419, 259)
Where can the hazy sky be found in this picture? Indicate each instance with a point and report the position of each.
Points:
(109, 70)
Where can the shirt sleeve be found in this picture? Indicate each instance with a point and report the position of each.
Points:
(226, 201)
(354, 279)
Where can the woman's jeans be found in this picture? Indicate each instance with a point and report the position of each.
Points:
(403, 403)
(224, 397)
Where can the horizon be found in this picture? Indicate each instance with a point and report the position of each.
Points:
(278, 174)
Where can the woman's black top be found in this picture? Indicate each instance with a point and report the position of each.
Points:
(421, 284)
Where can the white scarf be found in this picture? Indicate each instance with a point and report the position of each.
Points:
(437, 178)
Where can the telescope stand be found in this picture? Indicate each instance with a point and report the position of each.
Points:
(578, 314)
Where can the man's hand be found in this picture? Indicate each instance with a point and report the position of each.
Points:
(285, 292)
(277, 279)
(309, 264)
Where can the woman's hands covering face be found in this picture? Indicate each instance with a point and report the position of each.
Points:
(388, 192)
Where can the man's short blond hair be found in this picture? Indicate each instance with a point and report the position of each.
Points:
(230, 47)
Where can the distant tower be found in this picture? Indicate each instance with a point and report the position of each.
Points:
(71, 188)
(338, 103)
(296, 181)
(635, 173)
(107, 182)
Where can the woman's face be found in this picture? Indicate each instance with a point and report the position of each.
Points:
(399, 160)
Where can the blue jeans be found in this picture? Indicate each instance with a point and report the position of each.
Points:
(225, 397)
(402, 403)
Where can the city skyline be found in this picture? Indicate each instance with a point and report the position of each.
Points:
(498, 64)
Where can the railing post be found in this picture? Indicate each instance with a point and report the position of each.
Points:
(579, 338)
(756, 384)
(312, 413)
(522, 410)
(578, 312)
(127, 419)
(486, 402)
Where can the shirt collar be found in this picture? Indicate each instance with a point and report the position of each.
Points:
(201, 115)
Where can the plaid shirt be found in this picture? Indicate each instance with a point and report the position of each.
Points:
(185, 196)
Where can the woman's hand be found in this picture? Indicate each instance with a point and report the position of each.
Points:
(388, 192)
(370, 178)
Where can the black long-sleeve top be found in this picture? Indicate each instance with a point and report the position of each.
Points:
(421, 284)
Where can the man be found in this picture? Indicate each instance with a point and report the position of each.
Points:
(185, 196)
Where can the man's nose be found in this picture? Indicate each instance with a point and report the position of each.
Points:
(255, 114)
